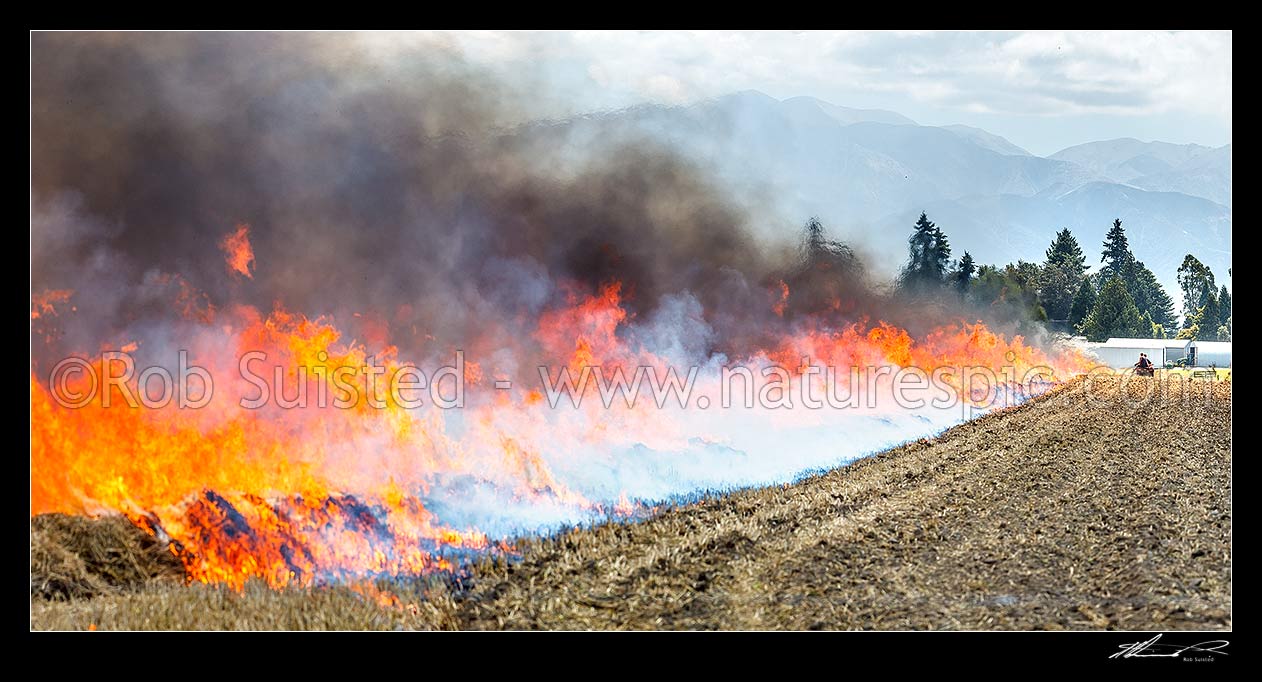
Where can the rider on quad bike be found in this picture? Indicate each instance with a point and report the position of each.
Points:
(1144, 367)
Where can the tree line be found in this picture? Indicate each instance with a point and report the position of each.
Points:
(1120, 299)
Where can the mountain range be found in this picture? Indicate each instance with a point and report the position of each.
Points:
(867, 174)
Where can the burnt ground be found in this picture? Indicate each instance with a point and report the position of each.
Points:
(1059, 514)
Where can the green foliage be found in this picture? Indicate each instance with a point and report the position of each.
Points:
(929, 254)
(1202, 325)
(1224, 306)
(1140, 282)
(1060, 275)
(1224, 331)
(1197, 283)
(1150, 329)
(1116, 253)
(1066, 253)
(1209, 318)
(962, 276)
(1084, 301)
(1057, 286)
(1149, 295)
(1060, 289)
(1026, 273)
(1114, 314)
(1010, 291)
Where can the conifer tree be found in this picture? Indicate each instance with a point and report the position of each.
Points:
(1114, 314)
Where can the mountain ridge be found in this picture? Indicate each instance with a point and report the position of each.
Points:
(868, 172)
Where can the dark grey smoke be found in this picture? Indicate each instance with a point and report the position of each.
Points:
(387, 187)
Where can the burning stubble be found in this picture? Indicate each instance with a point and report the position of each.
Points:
(303, 197)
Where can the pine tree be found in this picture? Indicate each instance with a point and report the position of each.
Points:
(1097, 281)
(1056, 289)
(941, 249)
(1060, 275)
(1084, 301)
(1025, 273)
(827, 272)
(1066, 252)
(820, 252)
(1117, 251)
(1224, 306)
(1209, 318)
(1150, 329)
(1148, 293)
(1160, 305)
(964, 272)
(929, 254)
(1114, 314)
(1141, 283)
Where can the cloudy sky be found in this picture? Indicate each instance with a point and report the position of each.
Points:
(1042, 90)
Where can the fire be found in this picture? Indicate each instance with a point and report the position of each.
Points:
(45, 303)
(253, 494)
(960, 345)
(585, 330)
(316, 493)
(188, 301)
(46, 306)
(472, 372)
(240, 255)
(778, 307)
(624, 506)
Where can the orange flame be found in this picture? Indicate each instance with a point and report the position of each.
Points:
(778, 307)
(45, 303)
(240, 255)
(254, 493)
(303, 495)
(584, 331)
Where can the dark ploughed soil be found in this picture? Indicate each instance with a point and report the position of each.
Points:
(1057, 514)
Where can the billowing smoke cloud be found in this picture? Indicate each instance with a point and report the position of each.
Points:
(398, 192)
(370, 185)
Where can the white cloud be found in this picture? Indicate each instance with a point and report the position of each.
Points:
(664, 88)
(1053, 73)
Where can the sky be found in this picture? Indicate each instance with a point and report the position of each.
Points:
(1043, 90)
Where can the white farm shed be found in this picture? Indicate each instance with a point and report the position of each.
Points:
(1120, 353)
(1216, 353)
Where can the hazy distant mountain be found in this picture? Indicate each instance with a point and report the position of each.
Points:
(1188, 168)
(1207, 175)
(868, 173)
(1126, 158)
(803, 154)
(987, 140)
(846, 115)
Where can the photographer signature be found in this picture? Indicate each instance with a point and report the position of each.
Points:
(1152, 649)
